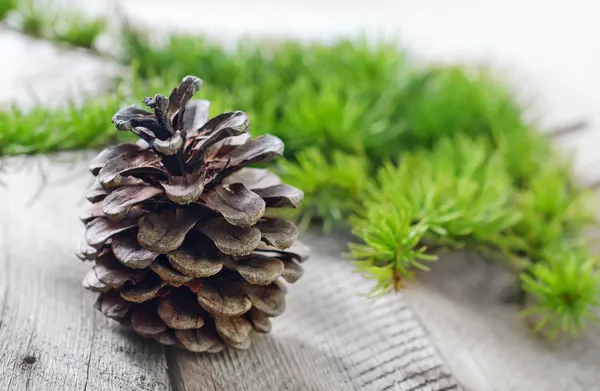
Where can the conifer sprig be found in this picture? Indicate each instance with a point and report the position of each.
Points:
(412, 156)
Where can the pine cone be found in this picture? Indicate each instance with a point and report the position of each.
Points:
(183, 249)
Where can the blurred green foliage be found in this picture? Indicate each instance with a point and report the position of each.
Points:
(44, 19)
(564, 290)
(352, 95)
(333, 187)
(7, 6)
(42, 130)
(413, 157)
(410, 155)
(80, 31)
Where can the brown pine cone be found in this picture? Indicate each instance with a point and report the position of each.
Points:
(183, 249)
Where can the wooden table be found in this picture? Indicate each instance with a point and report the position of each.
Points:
(331, 336)
(52, 339)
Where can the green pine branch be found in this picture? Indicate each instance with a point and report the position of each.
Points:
(565, 289)
(43, 130)
(392, 248)
(459, 194)
(413, 157)
(333, 186)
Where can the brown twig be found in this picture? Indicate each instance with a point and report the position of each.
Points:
(568, 129)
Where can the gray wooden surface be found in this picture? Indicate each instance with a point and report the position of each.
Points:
(33, 71)
(50, 338)
(331, 336)
(461, 301)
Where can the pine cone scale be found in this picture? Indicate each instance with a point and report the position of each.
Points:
(257, 270)
(92, 282)
(238, 205)
(118, 203)
(148, 289)
(181, 312)
(219, 128)
(221, 299)
(230, 239)
(102, 229)
(110, 153)
(195, 116)
(143, 161)
(130, 253)
(193, 263)
(169, 274)
(165, 231)
(184, 190)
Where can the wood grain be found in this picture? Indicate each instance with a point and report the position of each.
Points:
(488, 347)
(51, 337)
(331, 336)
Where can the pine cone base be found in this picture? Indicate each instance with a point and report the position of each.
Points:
(184, 246)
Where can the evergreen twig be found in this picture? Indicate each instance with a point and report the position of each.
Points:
(407, 154)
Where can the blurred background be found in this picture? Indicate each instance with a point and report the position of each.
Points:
(472, 125)
(546, 49)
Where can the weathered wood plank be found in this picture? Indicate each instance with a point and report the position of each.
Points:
(331, 337)
(35, 71)
(50, 336)
(461, 301)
